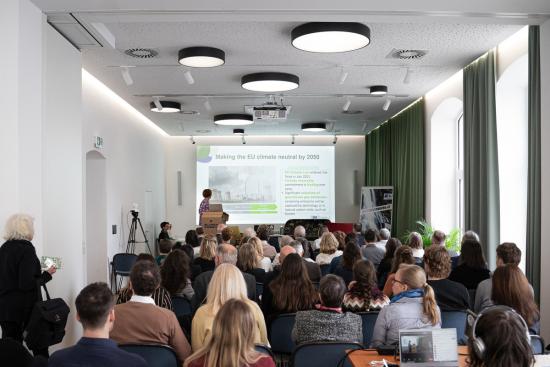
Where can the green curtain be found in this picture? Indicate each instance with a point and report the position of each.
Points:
(481, 182)
(378, 153)
(395, 157)
(407, 168)
(534, 165)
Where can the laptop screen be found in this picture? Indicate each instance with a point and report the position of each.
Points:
(418, 347)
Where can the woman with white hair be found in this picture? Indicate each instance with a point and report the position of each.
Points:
(227, 283)
(20, 277)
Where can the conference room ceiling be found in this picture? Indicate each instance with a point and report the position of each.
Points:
(256, 38)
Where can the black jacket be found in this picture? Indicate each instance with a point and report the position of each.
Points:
(20, 279)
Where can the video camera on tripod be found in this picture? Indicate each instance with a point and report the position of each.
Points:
(131, 246)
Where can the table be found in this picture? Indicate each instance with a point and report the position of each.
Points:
(362, 358)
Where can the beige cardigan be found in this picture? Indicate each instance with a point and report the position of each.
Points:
(201, 327)
(137, 322)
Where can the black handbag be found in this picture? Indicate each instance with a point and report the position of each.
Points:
(47, 323)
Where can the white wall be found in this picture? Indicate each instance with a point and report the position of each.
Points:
(134, 156)
(180, 156)
(545, 176)
(62, 169)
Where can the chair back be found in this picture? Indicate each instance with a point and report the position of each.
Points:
(280, 333)
(323, 354)
(368, 319)
(472, 294)
(537, 344)
(123, 262)
(264, 349)
(182, 306)
(259, 290)
(324, 269)
(457, 320)
(156, 355)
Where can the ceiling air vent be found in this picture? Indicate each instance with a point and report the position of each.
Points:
(141, 53)
(405, 54)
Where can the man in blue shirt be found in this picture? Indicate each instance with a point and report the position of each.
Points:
(95, 311)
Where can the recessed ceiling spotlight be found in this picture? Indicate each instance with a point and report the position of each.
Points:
(330, 36)
(201, 57)
(238, 131)
(234, 119)
(314, 126)
(270, 82)
(167, 106)
(378, 90)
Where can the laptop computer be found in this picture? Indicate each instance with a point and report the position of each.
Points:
(428, 347)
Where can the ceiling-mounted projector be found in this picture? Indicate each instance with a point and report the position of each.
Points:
(270, 110)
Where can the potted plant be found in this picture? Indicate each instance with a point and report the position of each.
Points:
(425, 229)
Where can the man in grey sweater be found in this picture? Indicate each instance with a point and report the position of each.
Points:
(328, 322)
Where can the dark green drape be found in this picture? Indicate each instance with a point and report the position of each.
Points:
(534, 165)
(395, 157)
(378, 153)
(481, 183)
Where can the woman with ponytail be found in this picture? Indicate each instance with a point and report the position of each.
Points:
(413, 306)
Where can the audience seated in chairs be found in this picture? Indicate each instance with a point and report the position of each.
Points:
(415, 242)
(341, 238)
(438, 239)
(206, 254)
(363, 294)
(141, 321)
(511, 288)
(248, 261)
(175, 275)
(95, 311)
(384, 267)
(343, 265)
(412, 307)
(231, 343)
(472, 268)
(227, 283)
(383, 237)
(165, 246)
(313, 269)
(160, 295)
(371, 251)
(507, 253)
(264, 262)
(403, 255)
(328, 249)
(503, 338)
(291, 291)
(328, 321)
(320, 232)
(192, 240)
(225, 254)
(263, 234)
(450, 296)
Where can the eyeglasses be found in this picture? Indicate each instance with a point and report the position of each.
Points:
(397, 281)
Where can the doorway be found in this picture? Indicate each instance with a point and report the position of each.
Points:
(97, 261)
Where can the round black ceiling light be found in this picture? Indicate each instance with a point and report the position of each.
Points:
(330, 36)
(233, 119)
(270, 82)
(167, 106)
(201, 57)
(378, 90)
(314, 126)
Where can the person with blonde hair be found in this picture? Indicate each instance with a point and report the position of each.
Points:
(413, 306)
(264, 261)
(248, 262)
(206, 254)
(231, 343)
(227, 283)
(328, 249)
(20, 277)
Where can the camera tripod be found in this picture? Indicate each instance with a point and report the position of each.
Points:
(131, 247)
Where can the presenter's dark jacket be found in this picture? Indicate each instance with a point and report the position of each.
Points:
(20, 279)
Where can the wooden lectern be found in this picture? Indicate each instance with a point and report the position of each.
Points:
(210, 219)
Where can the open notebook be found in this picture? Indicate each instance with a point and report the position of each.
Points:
(428, 347)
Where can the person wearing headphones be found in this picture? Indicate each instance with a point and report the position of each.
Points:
(499, 336)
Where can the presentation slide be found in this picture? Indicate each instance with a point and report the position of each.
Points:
(268, 184)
